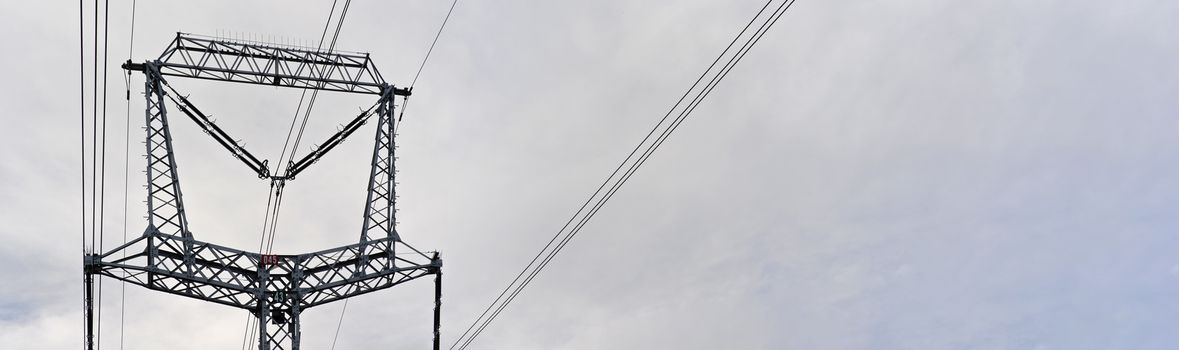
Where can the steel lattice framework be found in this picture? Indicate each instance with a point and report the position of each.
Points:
(276, 289)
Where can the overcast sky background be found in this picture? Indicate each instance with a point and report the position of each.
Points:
(875, 175)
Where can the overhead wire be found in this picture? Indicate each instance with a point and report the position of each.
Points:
(82, 138)
(426, 58)
(315, 93)
(339, 324)
(615, 172)
(94, 135)
(306, 116)
(269, 230)
(643, 159)
(126, 179)
(753, 39)
(249, 317)
(102, 166)
(663, 137)
(97, 180)
(432, 43)
(290, 130)
(397, 124)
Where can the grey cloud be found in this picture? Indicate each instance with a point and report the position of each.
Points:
(899, 175)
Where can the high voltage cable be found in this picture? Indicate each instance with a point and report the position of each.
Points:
(275, 194)
(719, 75)
(431, 49)
(396, 125)
(106, 13)
(94, 132)
(82, 138)
(339, 323)
(405, 104)
(126, 181)
(315, 93)
(663, 136)
(304, 94)
(615, 172)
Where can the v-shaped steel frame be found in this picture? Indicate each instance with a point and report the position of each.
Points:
(274, 288)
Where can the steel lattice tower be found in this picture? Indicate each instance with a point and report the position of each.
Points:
(276, 289)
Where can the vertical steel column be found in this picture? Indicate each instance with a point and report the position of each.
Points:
(294, 300)
(437, 301)
(378, 216)
(263, 334)
(88, 281)
(294, 325)
(390, 182)
(164, 202)
(278, 309)
(165, 205)
(278, 323)
(263, 311)
(379, 206)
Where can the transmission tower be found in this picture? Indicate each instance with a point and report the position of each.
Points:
(275, 289)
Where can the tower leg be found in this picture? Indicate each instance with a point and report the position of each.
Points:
(437, 307)
(89, 305)
(379, 208)
(165, 206)
(278, 325)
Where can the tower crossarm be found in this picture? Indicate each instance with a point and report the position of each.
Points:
(208, 272)
(242, 279)
(222, 59)
(360, 268)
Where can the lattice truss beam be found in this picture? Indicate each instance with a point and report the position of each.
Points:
(200, 57)
(275, 288)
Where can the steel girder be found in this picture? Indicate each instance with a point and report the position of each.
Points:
(269, 64)
(276, 289)
(245, 280)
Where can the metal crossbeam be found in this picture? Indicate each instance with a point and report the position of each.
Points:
(276, 289)
(194, 56)
(246, 280)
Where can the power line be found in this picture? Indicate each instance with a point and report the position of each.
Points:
(616, 169)
(719, 75)
(95, 178)
(315, 93)
(102, 167)
(318, 47)
(306, 116)
(94, 133)
(608, 178)
(663, 137)
(340, 323)
(396, 126)
(276, 186)
(126, 179)
(405, 103)
(431, 49)
(82, 146)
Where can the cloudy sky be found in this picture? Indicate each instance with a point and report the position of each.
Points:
(923, 174)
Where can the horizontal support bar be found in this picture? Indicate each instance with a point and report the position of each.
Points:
(232, 277)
